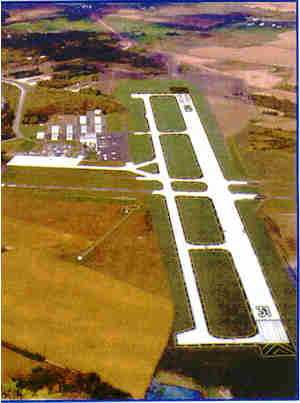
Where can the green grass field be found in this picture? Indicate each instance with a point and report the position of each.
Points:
(141, 147)
(76, 177)
(180, 156)
(162, 226)
(244, 188)
(199, 220)
(60, 24)
(133, 121)
(134, 28)
(186, 186)
(280, 284)
(11, 95)
(226, 307)
(167, 114)
(151, 168)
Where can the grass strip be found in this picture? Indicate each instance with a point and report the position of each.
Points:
(226, 308)
(244, 188)
(167, 114)
(162, 226)
(77, 177)
(180, 156)
(141, 147)
(186, 186)
(277, 277)
(151, 168)
(199, 219)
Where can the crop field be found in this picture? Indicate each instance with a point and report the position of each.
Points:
(162, 226)
(199, 220)
(56, 24)
(180, 156)
(277, 277)
(225, 305)
(141, 147)
(167, 114)
(187, 186)
(76, 177)
(44, 235)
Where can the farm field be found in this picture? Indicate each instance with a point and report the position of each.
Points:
(180, 156)
(167, 114)
(225, 304)
(198, 216)
(54, 231)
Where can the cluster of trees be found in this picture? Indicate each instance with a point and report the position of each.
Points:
(58, 383)
(7, 119)
(74, 44)
(47, 102)
(282, 105)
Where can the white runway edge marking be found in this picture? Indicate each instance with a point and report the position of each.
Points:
(263, 308)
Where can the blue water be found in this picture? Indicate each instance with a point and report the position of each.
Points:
(162, 391)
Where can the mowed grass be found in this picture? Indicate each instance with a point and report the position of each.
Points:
(277, 277)
(91, 312)
(186, 186)
(162, 226)
(167, 114)
(76, 177)
(141, 147)
(226, 308)
(133, 119)
(180, 156)
(199, 219)
(151, 168)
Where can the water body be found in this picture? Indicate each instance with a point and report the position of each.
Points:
(163, 391)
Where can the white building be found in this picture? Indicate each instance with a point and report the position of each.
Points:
(40, 135)
(98, 119)
(69, 132)
(54, 133)
(98, 128)
(97, 111)
(82, 120)
(83, 129)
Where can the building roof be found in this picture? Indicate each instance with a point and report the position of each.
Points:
(55, 129)
(98, 128)
(69, 129)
